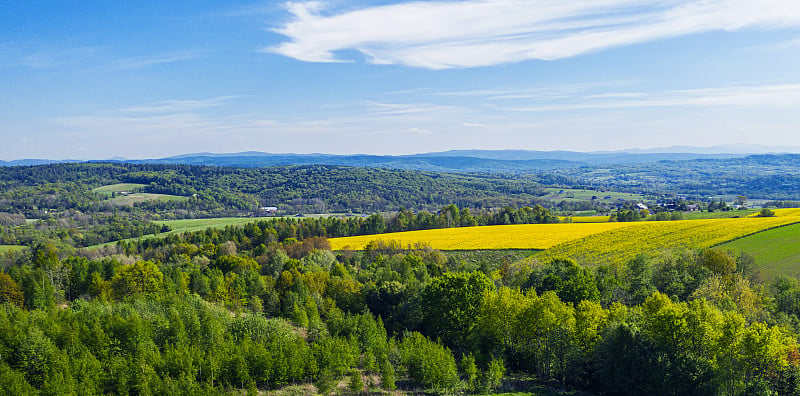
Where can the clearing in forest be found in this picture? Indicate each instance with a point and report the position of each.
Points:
(127, 194)
(115, 188)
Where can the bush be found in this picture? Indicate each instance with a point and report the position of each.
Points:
(766, 213)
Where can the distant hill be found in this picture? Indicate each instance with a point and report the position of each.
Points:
(460, 164)
(32, 162)
(461, 161)
(592, 158)
(458, 161)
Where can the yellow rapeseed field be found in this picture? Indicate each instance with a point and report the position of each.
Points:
(585, 242)
(588, 219)
(626, 243)
(517, 236)
(786, 212)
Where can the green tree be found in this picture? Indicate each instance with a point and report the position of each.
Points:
(493, 377)
(766, 213)
(567, 279)
(356, 383)
(10, 291)
(451, 303)
(141, 277)
(427, 363)
(718, 261)
(470, 371)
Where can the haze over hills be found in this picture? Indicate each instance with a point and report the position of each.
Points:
(470, 161)
(505, 161)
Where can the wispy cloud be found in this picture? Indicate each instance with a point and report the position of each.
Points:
(779, 46)
(551, 91)
(177, 106)
(457, 34)
(786, 96)
(394, 109)
(420, 131)
(53, 59)
(147, 61)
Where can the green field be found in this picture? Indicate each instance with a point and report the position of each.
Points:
(719, 214)
(9, 248)
(575, 195)
(190, 225)
(473, 260)
(112, 188)
(130, 199)
(133, 196)
(776, 251)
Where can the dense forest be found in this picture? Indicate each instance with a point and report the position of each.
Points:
(216, 190)
(242, 310)
(58, 202)
(269, 307)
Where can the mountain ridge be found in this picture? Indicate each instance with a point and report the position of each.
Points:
(464, 161)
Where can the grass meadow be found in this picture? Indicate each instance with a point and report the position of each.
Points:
(112, 188)
(776, 251)
(9, 248)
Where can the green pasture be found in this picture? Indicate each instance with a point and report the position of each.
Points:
(130, 199)
(576, 194)
(776, 251)
(10, 248)
(112, 188)
(718, 214)
(191, 225)
(474, 260)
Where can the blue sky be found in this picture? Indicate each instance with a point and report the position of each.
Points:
(146, 79)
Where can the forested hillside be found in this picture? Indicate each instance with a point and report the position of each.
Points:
(242, 310)
(267, 306)
(216, 190)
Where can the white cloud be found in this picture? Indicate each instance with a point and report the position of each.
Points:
(453, 34)
(173, 106)
(397, 109)
(780, 46)
(420, 131)
(53, 59)
(784, 96)
(551, 91)
(147, 61)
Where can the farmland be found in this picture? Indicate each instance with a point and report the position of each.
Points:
(110, 189)
(189, 225)
(131, 199)
(577, 194)
(623, 244)
(516, 236)
(590, 243)
(587, 219)
(131, 194)
(8, 248)
(775, 251)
